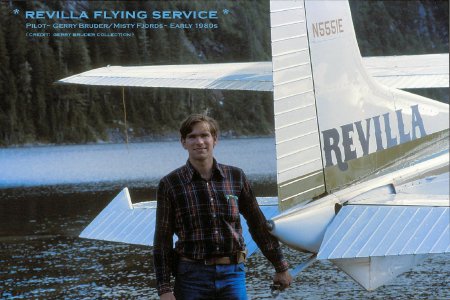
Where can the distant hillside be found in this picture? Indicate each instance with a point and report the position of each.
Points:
(34, 110)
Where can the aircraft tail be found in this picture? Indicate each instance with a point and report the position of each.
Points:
(335, 124)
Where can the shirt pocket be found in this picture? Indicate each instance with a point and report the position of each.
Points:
(230, 207)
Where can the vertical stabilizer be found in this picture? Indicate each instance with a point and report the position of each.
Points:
(364, 126)
(334, 123)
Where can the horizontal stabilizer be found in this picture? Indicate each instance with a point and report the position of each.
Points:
(122, 221)
(374, 244)
(369, 231)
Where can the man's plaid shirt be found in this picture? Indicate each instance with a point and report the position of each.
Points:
(205, 217)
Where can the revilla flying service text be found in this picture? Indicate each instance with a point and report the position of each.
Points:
(122, 14)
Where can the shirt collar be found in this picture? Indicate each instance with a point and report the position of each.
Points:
(192, 174)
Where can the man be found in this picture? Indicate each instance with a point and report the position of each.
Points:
(200, 202)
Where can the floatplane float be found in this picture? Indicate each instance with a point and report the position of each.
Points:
(362, 167)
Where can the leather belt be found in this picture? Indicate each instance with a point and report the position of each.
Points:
(225, 260)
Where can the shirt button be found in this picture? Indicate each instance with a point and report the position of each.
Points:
(217, 248)
(216, 232)
(212, 199)
(214, 215)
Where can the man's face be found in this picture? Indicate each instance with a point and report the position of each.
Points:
(199, 142)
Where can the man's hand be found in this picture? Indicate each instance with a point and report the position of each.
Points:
(167, 296)
(283, 280)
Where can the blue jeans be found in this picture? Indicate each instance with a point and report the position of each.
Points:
(196, 281)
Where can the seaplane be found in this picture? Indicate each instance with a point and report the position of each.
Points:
(362, 166)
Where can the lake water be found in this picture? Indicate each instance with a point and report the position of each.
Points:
(49, 194)
(138, 164)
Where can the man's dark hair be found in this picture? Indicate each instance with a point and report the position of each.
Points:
(189, 122)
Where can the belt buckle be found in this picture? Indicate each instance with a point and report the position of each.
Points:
(209, 261)
(242, 256)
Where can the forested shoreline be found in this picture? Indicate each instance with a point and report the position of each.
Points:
(35, 110)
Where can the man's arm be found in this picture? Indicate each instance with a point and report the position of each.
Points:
(257, 225)
(163, 240)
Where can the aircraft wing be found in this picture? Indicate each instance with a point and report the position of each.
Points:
(253, 76)
(409, 71)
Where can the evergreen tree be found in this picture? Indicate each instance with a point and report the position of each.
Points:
(34, 109)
